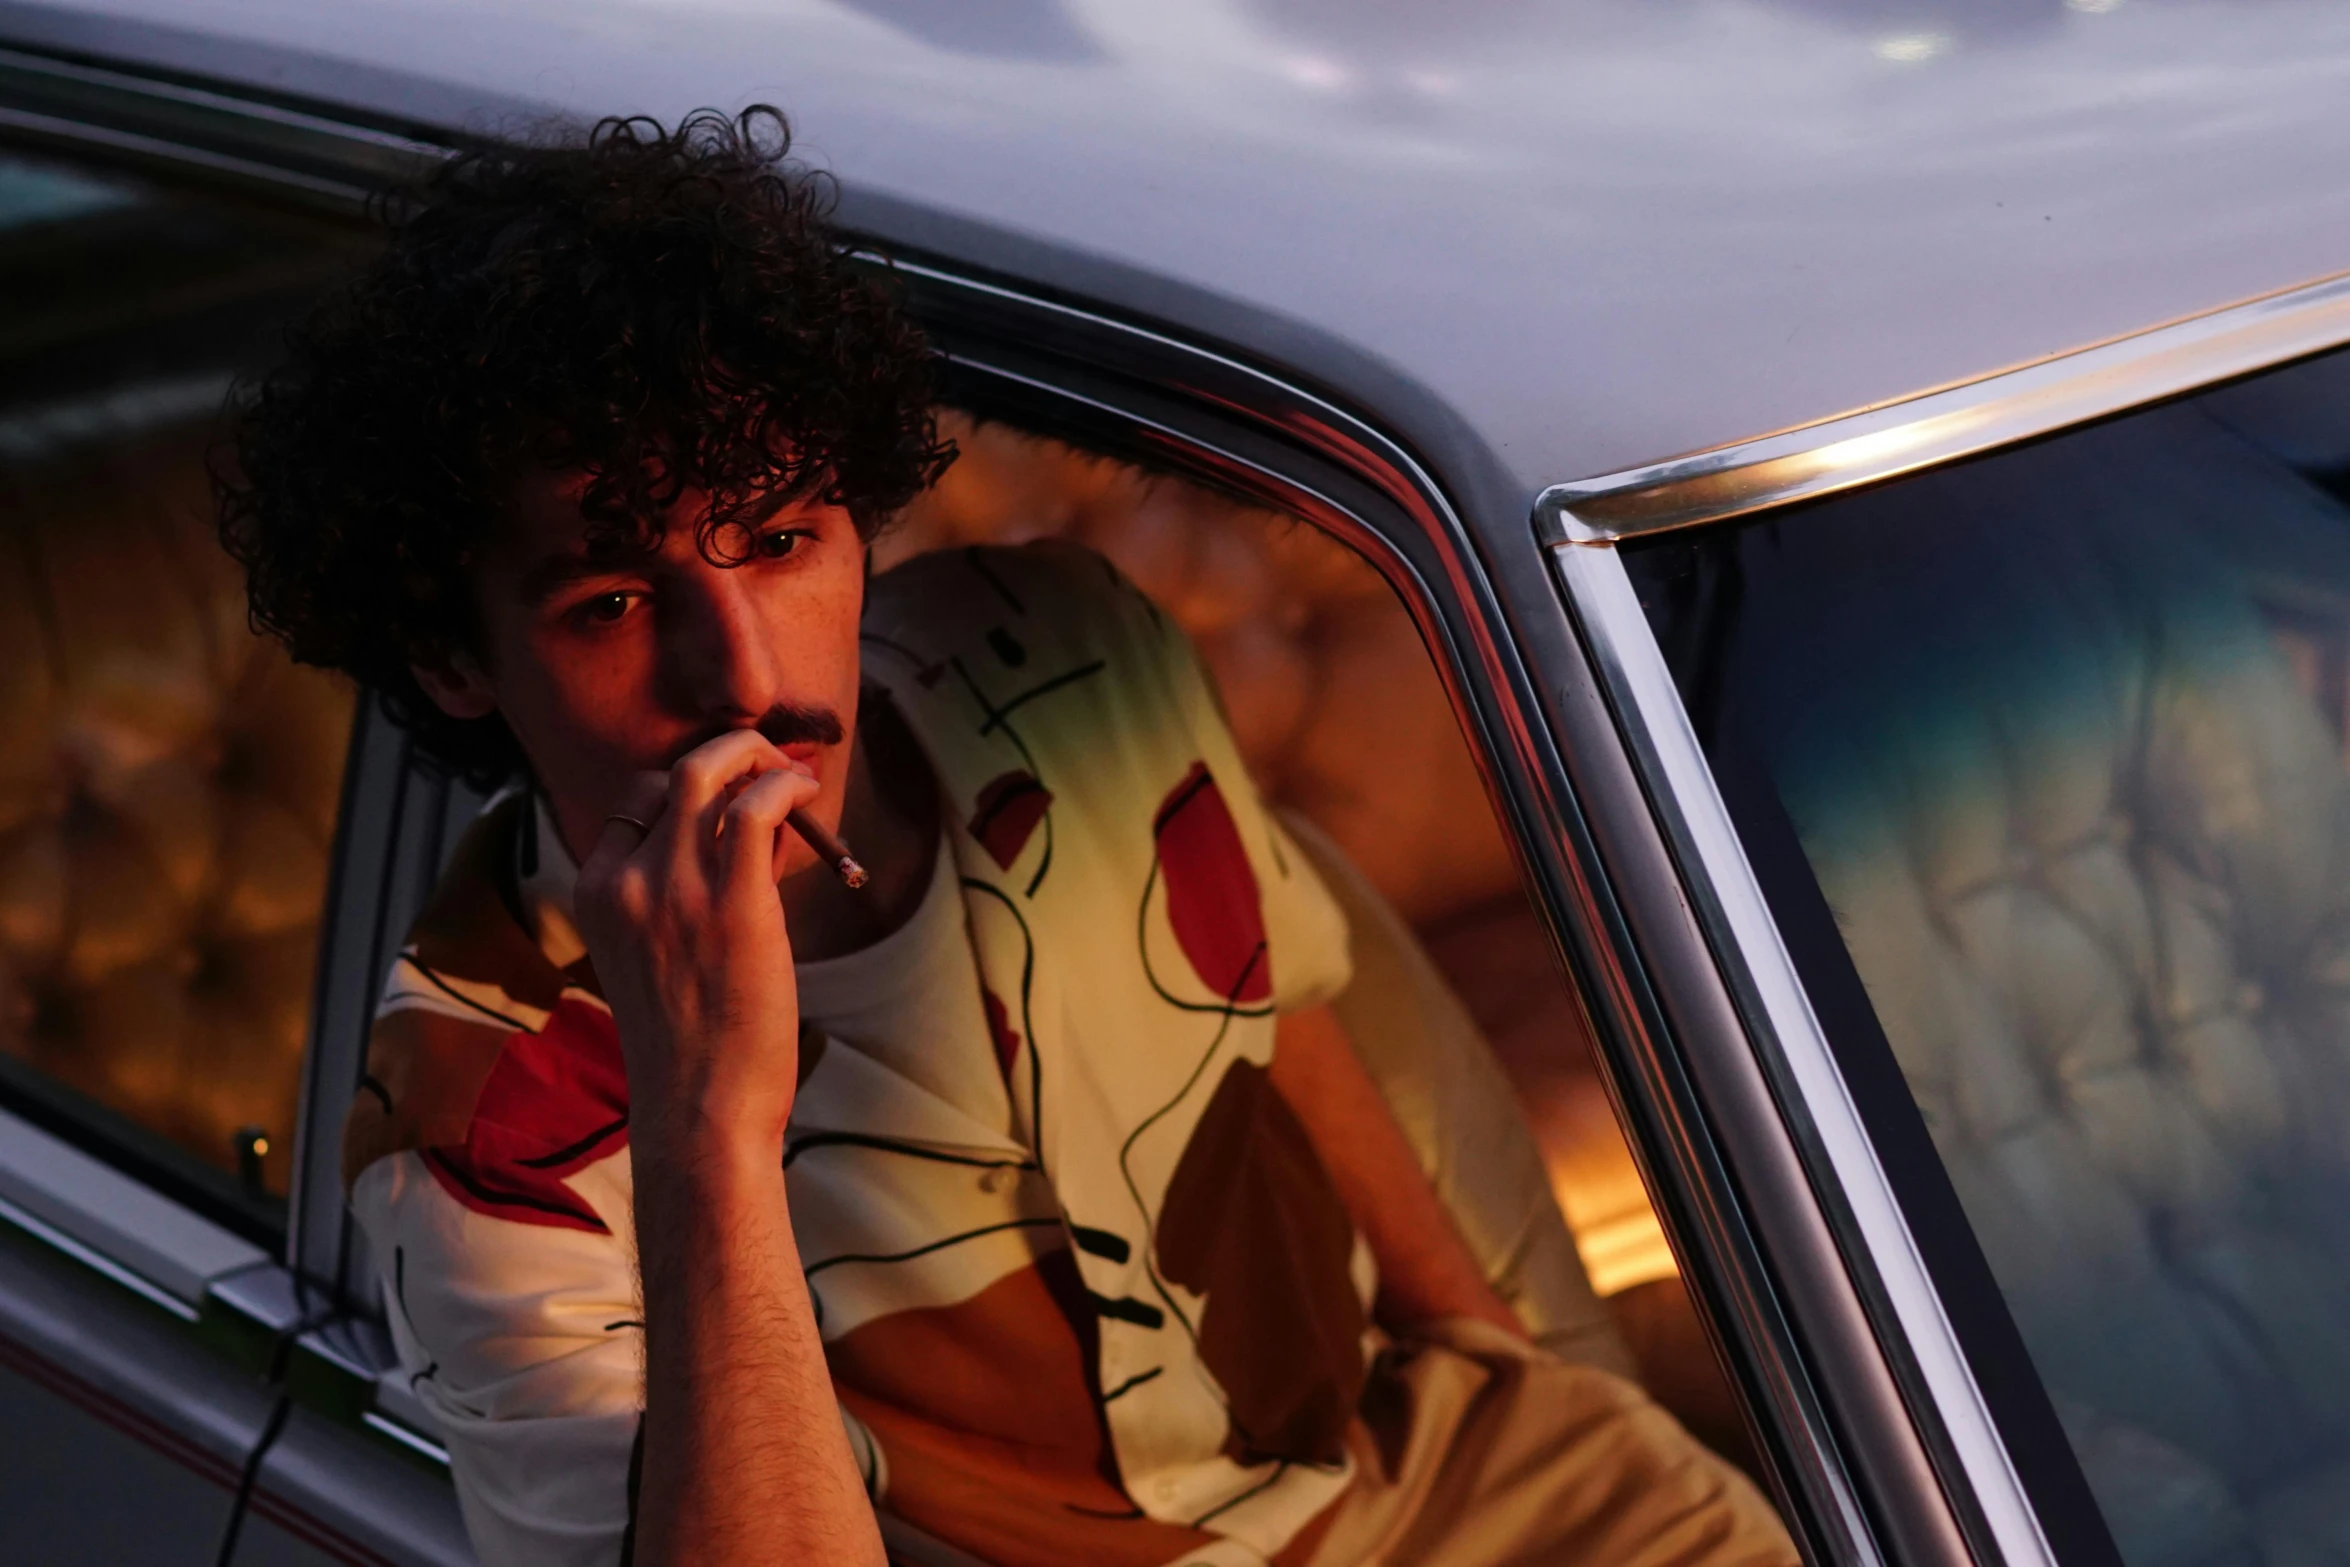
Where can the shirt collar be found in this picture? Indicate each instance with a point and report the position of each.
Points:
(545, 884)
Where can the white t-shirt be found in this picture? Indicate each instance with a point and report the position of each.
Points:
(911, 1002)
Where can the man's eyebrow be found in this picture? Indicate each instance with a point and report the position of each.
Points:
(557, 572)
(762, 507)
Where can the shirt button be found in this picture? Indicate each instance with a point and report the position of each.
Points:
(992, 1180)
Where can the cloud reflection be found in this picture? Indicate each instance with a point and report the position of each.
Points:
(1912, 48)
(1000, 29)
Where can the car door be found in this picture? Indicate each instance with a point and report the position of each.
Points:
(177, 1377)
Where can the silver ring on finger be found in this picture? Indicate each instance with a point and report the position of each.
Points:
(622, 816)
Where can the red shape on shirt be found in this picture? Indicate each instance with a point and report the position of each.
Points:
(555, 1103)
(1211, 891)
(1009, 809)
(1000, 1029)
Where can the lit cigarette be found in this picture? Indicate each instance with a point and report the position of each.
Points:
(828, 848)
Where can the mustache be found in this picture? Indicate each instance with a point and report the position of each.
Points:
(781, 725)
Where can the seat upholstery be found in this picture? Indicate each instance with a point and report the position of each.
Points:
(2087, 839)
(168, 784)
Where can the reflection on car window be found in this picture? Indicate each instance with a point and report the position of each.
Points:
(167, 779)
(2061, 734)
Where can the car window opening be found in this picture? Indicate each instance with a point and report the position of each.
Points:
(2055, 745)
(169, 780)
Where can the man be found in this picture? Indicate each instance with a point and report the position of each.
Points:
(1031, 1187)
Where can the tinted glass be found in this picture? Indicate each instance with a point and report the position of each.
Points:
(2047, 751)
(167, 779)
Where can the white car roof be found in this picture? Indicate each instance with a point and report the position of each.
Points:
(1543, 238)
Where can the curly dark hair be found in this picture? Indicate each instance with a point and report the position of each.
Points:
(658, 309)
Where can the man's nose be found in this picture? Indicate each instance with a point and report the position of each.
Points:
(722, 660)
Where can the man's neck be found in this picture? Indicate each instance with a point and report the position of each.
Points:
(890, 816)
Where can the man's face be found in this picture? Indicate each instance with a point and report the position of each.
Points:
(606, 669)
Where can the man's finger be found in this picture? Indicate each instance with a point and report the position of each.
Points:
(641, 812)
(747, 846)
(706, 777)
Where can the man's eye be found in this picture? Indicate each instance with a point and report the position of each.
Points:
(778, 543)
(605, 608)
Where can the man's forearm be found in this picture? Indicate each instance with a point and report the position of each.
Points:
(745, 1459)
(1425, 1269)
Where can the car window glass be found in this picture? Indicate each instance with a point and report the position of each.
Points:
(168, 779)
(2047, 752)
(1346, 727)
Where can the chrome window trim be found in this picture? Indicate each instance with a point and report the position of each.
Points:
(1722, 882)
(96, 1261)
(406, 1434)
(1935, 427)
(394, 828)
(396, 1404)
(84, 1207)
(306, 154)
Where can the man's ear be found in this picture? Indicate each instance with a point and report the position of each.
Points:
(457, 686)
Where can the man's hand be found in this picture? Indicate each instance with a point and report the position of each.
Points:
(745, 1458)
(688, 938)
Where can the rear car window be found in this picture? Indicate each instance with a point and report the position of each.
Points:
(2041, 760)
(168, 780)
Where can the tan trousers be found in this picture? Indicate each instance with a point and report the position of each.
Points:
(1480, 1451)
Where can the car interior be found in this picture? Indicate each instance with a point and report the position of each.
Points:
(168, 781)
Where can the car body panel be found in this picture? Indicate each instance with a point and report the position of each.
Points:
(1549, 240)
(126, 1437)
(326, 1493)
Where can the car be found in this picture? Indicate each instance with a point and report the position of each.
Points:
(1822, 620)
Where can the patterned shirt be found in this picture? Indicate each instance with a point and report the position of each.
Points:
(1130, 1327)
